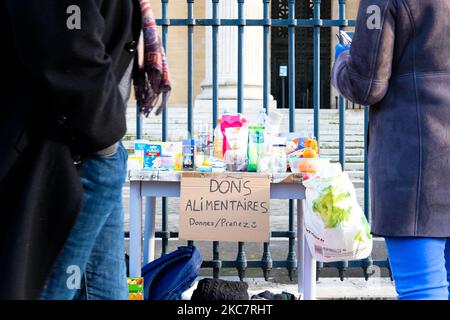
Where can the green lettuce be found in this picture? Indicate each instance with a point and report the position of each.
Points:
(326, 207)
(363, 234)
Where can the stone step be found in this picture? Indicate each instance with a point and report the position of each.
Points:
(356, 176)
(329, 120)
(334, 144)
(348, 152)
(354, 166)
(349, 137)
(348, 159)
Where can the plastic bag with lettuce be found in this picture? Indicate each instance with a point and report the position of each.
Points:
(335, 226)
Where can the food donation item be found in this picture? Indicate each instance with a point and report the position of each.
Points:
(336, 225)
(294, 143)
(172, 156)
(308, 165)
(235, 140)
(218, 165)
(279, 159)
(188, 154)
(136, 288)
(152, 157)
(218, 140)
(204, 148)
(139, 151)
(135, 162)
(256, 144)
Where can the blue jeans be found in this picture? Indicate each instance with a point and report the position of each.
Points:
(420, 267)
(92, 263)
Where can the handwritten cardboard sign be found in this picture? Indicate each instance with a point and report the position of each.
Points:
(224, 207)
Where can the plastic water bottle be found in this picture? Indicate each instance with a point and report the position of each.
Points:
(263, 119)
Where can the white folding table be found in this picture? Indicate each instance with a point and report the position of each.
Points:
(154, 184)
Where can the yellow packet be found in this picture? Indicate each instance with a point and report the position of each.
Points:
(135, 162)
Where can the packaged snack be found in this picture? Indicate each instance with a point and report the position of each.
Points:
(255, 146)
(307, 148)
(218, 165)
(136, 288)
(167, 163)
(139, 147)
(294, 143)
(178, 160)
(235, 140)
(170, 152)
(204, 169)
(139, 151)
(135, 162)
(152, 159)
(188, 154)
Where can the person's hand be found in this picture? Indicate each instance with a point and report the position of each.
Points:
(339, 49)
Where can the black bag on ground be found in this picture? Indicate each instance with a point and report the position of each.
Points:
(216, 289)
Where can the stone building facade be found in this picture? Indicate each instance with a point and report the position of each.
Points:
(227, 66)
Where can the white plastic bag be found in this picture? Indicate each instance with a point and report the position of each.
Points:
(335, 226)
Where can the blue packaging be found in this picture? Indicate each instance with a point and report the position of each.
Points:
(188, 154)
(153, 155)
(139, 147)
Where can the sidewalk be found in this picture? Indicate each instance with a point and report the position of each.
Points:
(327, 288)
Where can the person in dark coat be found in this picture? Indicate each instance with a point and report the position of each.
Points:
(398, 64)
(61, 102)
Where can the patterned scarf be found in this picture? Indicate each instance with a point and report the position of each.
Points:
(152, 84)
